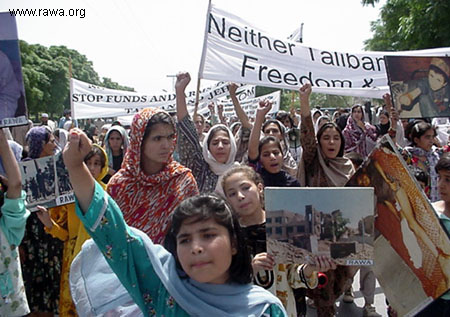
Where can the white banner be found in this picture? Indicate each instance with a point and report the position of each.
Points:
(249, 105)
(91, 101)
(234, 50)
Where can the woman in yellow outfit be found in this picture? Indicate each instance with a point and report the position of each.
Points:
(62, 223)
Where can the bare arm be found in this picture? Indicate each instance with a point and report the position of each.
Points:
(183, 80)
(237, 107)
(263, 108)
(305, 92)
(81, 179)
(14, 178)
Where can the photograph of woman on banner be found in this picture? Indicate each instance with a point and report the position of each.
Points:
(427, 94)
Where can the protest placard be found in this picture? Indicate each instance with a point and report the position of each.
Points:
(412, 250)
(419, 85)
(302, 222)
(13, 108)
(46, 182)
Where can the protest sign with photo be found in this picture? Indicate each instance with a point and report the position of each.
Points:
(419, 86)
(235, 50)
(412, 250)
(302, 222)
(46, 182)
(13, 108)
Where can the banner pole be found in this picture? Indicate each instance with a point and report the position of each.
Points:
(197, 98)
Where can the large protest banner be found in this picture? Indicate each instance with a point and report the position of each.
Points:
(235, 50)
(13, 108)
(320, 221)
(419, 85)
(91, 101)
(412, 249)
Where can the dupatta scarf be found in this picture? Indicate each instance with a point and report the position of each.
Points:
(147, 201)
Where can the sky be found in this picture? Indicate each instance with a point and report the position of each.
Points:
(143, 44)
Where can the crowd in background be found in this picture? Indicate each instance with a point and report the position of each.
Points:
(153, 166)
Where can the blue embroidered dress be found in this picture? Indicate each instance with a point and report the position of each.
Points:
(148, 272)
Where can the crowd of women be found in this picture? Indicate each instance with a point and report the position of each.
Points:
(176, 212)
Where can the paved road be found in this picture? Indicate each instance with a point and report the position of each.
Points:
(356, 309)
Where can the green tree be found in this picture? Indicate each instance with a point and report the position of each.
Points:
(46, 77)
(410, 24)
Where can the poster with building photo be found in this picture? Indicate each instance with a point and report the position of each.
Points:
(336, 222)
(412, 250)
(419, 86)
(13, 108)
(46, 182)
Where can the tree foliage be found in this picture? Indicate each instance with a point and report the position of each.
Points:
(410, 24)
(46, 76)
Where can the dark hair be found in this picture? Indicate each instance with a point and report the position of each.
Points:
(419, 129)
(244, 169)
(332, 125)
(159, 117)
(439, 71)
(214, 130)
(266, 140)
(278, 123)
(384, 112)
(282, 116)
(200, 116)
(362, 110)
(444, 163)
(96, 151)
(203, 208)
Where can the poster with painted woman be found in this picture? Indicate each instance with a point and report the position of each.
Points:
(412, 250)
(419, 86)
(46, 182)
(13, 108)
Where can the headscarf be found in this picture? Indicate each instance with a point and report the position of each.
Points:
(355, 138)
(316, 125)
(125, 141)
(36, 138)
(336, 171)
(62, 138)
(216, 167)
(147, 201)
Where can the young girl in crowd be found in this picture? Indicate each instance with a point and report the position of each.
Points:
(42, 254)
(116, 143)
(275, 128)
(207, 269)
(360, 136)
(214, 157)
(422, 155)
(63, 224)
(267, 154)
(13, 217)
(244, 191)
(151, 183)
(441, 306)
(323, 165)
